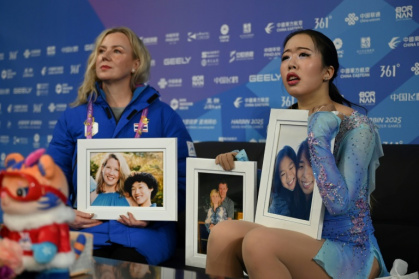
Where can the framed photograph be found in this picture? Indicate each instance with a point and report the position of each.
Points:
(116, 176)
(212, 196)
(288, 194)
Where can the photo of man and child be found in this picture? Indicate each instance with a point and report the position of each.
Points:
(126, 179)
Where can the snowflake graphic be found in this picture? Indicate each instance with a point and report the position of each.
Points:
(415, 69)
(351, 19)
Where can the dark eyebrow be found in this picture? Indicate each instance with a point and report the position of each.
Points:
(299, 48)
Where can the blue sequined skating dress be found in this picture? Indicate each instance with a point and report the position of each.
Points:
(345, 180)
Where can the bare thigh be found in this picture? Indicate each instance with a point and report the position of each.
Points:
(224, 252)
(278, 253)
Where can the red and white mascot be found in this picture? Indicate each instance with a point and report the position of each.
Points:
(34, 194)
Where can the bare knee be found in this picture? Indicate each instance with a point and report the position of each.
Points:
(257, 244)
(222, 232)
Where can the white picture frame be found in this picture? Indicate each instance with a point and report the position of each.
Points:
(163, 152)
(286, 128)
(203, 175)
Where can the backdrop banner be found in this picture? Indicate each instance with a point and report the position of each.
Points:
(215, 62)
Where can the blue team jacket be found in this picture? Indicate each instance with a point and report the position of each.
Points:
(157, 242)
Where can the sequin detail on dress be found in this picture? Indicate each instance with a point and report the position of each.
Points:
(343, 182)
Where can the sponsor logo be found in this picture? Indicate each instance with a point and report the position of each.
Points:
(272, 52)
(172, 82)
(74, 69)
(51, 50)
(212, 103)
(224, 37)
(412, 41)
(287, 101)
(203, 123)
(269, 27)
(415, 69)
(241, 55)
(405, 97)
(52, 123)
(287, 26)
(351, 19)
(256, 102)
(28, 73)
(361, 72)
(4, 91)
(404, 12)
(264, 77)
(322, 22)
(22, 90)
(29, 124)
(37, 108)
(180, 104)
(89, 47)
(31, 53)
(55, 70)
(176, 61)
(365, 46)
(13, 55)
(237, 103)
(210, 58)
(198, 81)
(367, 97)
(42, 89)
(394, 42)
(4, 139)
(172, 38)
(19, 108)
(63, 88)
(367, 17)
(247, 31)
(150, 40)
(7, 74)
(57, 107)
(70, 49)
(198, 36)
(226, 80)
(338, 45)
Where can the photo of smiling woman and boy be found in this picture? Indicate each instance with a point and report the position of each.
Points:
(126, 179)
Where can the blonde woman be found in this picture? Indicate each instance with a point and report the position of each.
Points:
(216, 213)
(115, 101)
(110, 179)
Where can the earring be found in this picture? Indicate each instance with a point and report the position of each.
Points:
(133, 71)
(325, 79)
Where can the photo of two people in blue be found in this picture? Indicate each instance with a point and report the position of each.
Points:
(126, 179)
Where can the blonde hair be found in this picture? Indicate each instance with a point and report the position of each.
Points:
(215, 191)
(139, 51)
(124, 172)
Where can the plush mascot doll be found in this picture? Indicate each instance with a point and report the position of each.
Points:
(34, 193)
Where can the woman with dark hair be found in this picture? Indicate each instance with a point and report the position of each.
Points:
(284, 182)
(142, 187)
(345, 178)
(305, 178)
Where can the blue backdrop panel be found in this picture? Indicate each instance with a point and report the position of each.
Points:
(215, 62)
